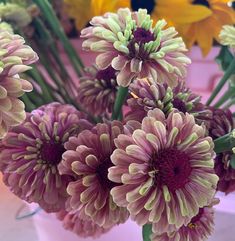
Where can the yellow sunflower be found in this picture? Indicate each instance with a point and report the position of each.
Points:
(83, 10)
(198, 21)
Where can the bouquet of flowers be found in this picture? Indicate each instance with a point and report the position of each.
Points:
(124, 138)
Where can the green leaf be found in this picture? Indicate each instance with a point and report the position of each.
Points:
(147, 231)
(224, 58)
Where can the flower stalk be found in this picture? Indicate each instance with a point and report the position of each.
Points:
(120, 99)
(227, 74)
(227, 95)
(55, 25)
(35, 75)
(146, 232)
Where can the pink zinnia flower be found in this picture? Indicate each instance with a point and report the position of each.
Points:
(84, 228)
(88, 157)
(14, 60)
(199, 228)
(131, 44)
(221, 124)
(97, 90)
(31, 152)
(164, 170)
(150, 95)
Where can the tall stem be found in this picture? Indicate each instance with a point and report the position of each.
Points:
(146, 232)
(120, 99)
(36, 76)
(55, 25)
(29, 106)
(230, 70)
(229, 93)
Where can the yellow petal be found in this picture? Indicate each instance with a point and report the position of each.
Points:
(204, 36)
(183, 14)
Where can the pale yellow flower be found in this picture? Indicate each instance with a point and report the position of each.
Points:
(227, 36)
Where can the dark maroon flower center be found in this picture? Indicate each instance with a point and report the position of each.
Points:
(179, 104)
(172, 168)
(102, 173)
(149, 5)
(202, 2)
(142, 35)
(195, 219)
(106, 74)
(51, 152)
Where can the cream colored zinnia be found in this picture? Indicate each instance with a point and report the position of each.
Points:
(227, 36)
(15, 57)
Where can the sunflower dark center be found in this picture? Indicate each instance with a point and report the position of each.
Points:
(179, 104)
(142, 35)
(102, 174)
(51, 152)
(195, 219)
(106, 74)
(202, 2)
(172, 168)
(149, 5)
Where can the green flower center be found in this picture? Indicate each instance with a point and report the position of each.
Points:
(202, 2)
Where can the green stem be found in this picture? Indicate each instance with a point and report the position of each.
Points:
(229, 104)
(35, 98)
(55, 25)
(36, 76)
(120, 99)
(46, 38)
(230, 70)
(146, 232)
(29, 106)
(47, 66)
(229, 93)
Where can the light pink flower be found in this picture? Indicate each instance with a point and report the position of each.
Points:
(31, 152)
(199, 227)
(88, 158)
(221, 124)
(164, 170)
(14, 59)
(97, 90)
(133, 45)
(84, 228)
(148, 96)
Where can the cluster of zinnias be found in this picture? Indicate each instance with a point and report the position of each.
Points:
(14, 60)
(156, 166)
(130, 43)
